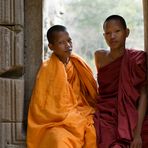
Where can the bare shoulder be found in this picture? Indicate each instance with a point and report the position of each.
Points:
(100, 57)
(99, 54)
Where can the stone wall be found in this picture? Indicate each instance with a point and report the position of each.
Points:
(11, 73)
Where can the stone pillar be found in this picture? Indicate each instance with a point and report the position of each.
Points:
(11, 73)
(33, 47)
(145, 13)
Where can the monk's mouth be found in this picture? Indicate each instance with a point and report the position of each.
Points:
(69, 50)
(113, 42)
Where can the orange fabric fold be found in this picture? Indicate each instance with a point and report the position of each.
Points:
(60, 112)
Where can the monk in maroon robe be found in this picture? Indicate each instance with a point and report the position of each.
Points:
(120, 120)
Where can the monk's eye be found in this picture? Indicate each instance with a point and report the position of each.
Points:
(61, 42)
(117, 31)
(107, 33)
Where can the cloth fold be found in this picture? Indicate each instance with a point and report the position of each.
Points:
(119, 92)
(61, 100)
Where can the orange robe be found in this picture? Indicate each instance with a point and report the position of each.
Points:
(60, 113)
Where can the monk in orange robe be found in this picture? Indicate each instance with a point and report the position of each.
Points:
(122, 101)
(62, 104)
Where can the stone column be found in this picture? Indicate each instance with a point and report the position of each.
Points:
(145, 13)
(11, 73)
(33, 47)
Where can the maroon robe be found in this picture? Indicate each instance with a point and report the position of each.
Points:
(119, 85)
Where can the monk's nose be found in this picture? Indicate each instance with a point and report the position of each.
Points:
(113, 35)
(68, 44)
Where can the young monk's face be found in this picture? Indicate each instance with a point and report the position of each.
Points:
(62, 45)
(115, 34)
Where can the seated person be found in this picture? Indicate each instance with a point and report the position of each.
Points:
(61, 108)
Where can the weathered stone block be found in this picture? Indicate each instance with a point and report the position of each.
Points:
(11, 135)
(11, 47)
(11, 100)
(12, 12)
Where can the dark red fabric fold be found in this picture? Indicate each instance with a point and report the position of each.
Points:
(119, 85)
(132, 76)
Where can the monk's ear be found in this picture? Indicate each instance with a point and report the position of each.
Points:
(50, 46)
(127, 32)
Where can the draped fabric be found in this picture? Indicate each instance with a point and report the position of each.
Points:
(60, 111)
(119, 85)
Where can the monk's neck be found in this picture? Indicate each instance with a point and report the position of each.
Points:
(115, 53)
(64, 60)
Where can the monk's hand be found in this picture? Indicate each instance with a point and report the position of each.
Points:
(137, 142)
